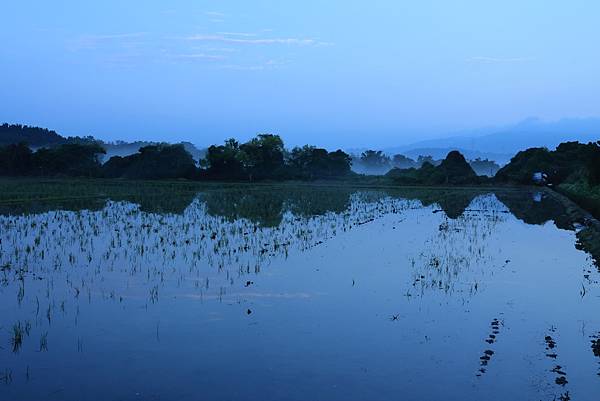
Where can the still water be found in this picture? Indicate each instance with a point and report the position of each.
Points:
(303, 294)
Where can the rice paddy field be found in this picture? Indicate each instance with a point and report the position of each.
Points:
(179, 291)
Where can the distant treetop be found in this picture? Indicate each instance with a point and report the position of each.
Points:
(33, 136)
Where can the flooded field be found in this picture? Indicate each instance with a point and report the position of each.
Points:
(283, 293)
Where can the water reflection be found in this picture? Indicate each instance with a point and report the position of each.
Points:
(147, 274)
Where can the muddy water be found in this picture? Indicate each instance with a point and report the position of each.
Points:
(310, 294)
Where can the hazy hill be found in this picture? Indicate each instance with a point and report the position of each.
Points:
(502, 143)
(37, 137)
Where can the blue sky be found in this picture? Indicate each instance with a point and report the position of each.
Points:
(331, 73)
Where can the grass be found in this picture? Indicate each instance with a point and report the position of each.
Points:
(584, 195)
(225, 231)
(588, 237)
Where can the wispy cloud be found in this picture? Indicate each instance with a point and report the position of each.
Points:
(498, 60)
(267, 65)
(215, 14)
(242, 34)
(233, 50)
(228, 38)
(198, 56)
(238, 67)
(217, 49)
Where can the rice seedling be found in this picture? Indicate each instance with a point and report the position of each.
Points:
(44, 342)
(119, 253)
(18, 332)
(6, 376)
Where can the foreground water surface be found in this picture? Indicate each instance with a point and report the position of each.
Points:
(277, 293)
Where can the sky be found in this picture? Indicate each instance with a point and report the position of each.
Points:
(334, 73)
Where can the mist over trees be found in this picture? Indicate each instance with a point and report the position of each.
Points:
(401, 161)
(37, 138)
(484, 167)
(453, 170)
(152, 162)
(262, 158)
(376, 162)
(572, 168)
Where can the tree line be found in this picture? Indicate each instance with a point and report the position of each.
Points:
(265, 157)
(571, 165)
(262, 158)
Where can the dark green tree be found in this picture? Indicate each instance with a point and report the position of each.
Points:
(224, 161)
(72, 159)
(161, 161)
(263, 157)
(309, 162)
(16, 160)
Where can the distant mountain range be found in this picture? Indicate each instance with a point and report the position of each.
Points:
(500, 144)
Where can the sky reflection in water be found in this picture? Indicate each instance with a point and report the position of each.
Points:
(299, 294)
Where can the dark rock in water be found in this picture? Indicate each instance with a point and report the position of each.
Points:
(561, 380)
(248, 311)
(596, 347)
(488, 352)
(553, 356)
(565, 397)
(550, 343)
(249, 283)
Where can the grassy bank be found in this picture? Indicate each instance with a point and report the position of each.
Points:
(584, 195)
(14, 190)
(588, 235)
